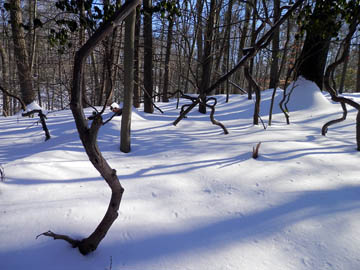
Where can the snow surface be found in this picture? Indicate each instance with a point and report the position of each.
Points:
(194, 198)
(31, 107)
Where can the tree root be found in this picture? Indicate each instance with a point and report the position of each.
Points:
(74, 243)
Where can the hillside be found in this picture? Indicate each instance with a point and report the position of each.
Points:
(194, 197)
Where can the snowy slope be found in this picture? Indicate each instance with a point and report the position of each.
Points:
(194, 198)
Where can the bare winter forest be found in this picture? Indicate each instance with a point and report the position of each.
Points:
(86, 55)
(175, 47)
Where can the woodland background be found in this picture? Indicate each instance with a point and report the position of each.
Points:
(179, 45)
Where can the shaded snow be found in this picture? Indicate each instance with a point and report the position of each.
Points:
(194, 198)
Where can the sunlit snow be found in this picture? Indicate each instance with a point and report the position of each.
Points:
(194, 197)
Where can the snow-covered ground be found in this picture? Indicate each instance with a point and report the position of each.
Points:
(194, 197)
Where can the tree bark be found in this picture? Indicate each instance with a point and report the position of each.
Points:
(167, 60)
(207, 57)
(137, 92)
(357, 89)
(274, 71)
(242, 42)
(343, 75)
(5, 80)
(313, 56)
(125, 141)
(148, 58)
(21, 55)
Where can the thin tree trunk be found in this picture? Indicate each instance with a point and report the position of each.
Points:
(148, 58)
(243, 38)
(33, 37)
(199, 38)
(252, 43)
(358, 72)
(137, 92)
(343, 75)
(88, 134)
(167, 60)
(207, 57)
(5, 80)
(275, 53)
(125, 142)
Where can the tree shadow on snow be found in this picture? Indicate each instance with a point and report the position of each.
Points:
(310, 205)
(207, 237)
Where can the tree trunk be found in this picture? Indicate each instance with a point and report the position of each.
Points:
(148, 58)
(199, 38)
(125, 142)
(252, 43)
(5, 80)
(22, 60)
(207, 57)
(88, 134)
(137, 92)
(275, 53)
(167, 60)
(314, 53)
(242, 42)
(358, 72)
(343, 75)
(33, 37)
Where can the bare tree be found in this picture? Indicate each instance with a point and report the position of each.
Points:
(88, 134)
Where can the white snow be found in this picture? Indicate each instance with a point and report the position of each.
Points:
(194, 198)
(114, 105)
(31, 107)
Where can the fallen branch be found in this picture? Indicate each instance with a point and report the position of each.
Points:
(42, 120)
